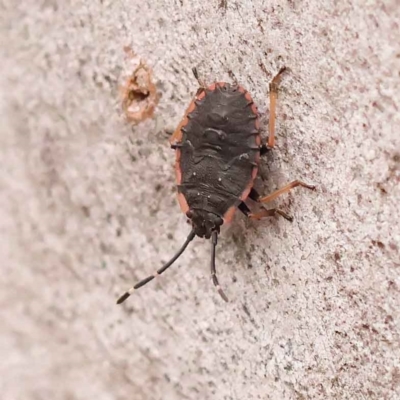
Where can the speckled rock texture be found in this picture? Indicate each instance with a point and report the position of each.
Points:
(88, 205)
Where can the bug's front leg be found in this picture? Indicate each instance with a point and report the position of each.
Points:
(266, 199)
(199, 80)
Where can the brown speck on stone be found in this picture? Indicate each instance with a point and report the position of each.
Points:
(223, 4)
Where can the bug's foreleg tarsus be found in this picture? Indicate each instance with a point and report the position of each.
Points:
(285, 189)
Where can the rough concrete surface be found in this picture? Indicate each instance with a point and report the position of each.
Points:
(88, 205)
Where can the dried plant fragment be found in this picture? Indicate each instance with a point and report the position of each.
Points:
(139, 94)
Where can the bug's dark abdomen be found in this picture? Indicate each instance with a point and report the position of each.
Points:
(220, 149)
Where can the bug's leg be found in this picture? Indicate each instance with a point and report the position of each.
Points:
(175, 138)
(273, 94)
(214, 240)
(285, 189)
(199, 80)
(270, 213)
(262, 214)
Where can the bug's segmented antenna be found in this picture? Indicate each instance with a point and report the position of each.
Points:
(159, 271)
(214, 241)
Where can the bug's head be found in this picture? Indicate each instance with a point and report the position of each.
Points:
(204, 223)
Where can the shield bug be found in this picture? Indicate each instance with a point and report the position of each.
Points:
(218, 148)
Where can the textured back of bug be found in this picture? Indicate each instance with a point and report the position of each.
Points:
(219, 154)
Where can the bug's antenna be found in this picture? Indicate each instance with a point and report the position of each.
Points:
(159, 271)
(214, 241)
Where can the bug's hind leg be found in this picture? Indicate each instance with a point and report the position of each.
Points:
(273, 95)
(262, 214)
(266, 199)
(274, 211)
